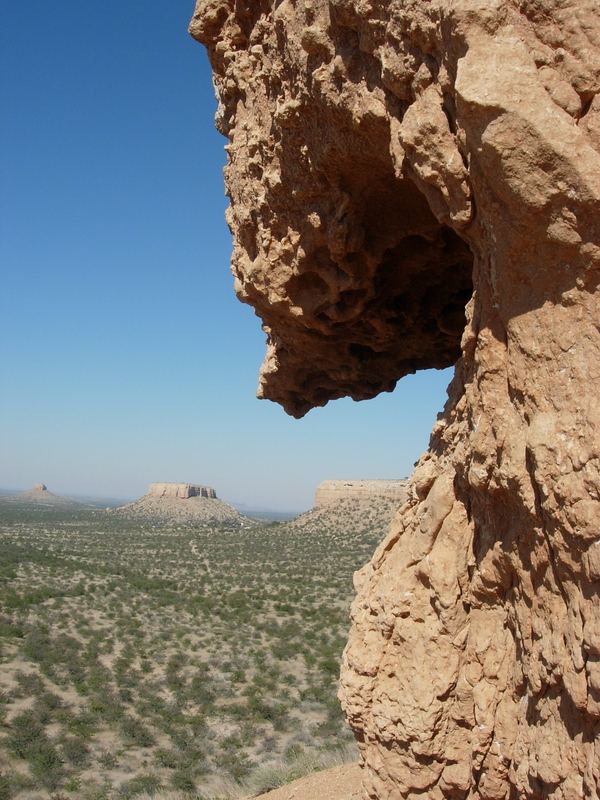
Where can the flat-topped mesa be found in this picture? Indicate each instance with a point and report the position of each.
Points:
(332, 490)
(186, 503)
(389, 162)
(183, 491)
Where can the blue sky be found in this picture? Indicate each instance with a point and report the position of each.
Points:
(125, 357)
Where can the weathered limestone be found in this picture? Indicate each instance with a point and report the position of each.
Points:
(181, 490)
(330, 491)
(390, 160)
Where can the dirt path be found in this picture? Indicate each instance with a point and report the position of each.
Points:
(338, 783)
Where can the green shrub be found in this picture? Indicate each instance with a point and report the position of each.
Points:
(238, 766)
(166, 758)
(29, 683)
(73, 784)
(83, 724)
(75, 750)
(108, 760)
(25, 731)
(45, 763)
(136, 732)
(5, 787)
(143, 784)
(183, 780)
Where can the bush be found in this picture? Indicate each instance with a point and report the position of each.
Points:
(5, 788)
(26, 730)
(75, 751)
(45, 763)
(166, 758)
(108, 760)
(144, 784)
(84, 724)
(183, 780)
(73, 784)
(29, 683)
(239, 767)
(136, 732)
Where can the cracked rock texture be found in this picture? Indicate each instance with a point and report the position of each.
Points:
(389, 164)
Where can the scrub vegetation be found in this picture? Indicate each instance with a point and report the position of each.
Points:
(140, 660)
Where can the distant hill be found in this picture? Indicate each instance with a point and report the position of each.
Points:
(184, 504)
(353, 515)
(40, 497)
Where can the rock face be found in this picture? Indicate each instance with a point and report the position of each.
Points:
(181, 490)
(331, 491)
(390, 161)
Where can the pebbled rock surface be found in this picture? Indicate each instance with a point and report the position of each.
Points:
(391, 162)
(370, 490)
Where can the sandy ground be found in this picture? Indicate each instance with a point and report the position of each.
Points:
(338, 783)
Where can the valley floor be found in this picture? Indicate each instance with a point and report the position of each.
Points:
(139, 659)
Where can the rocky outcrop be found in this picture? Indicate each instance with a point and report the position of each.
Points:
(181, 490)
(330, 491)
(389, 162)
(182, 504)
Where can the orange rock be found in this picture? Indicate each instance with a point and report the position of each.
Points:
(417, 184)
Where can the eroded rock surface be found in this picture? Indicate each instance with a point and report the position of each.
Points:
(333, 490)
(388, 163)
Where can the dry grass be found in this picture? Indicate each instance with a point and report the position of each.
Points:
(267, 778)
